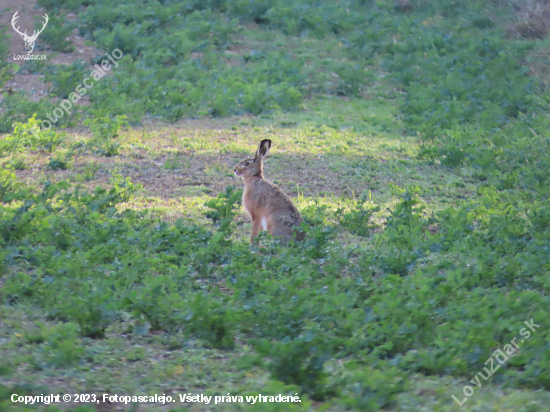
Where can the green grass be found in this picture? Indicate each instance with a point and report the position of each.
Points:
(332, 169)
(124, 259)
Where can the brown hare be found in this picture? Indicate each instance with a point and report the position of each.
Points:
(268, 206)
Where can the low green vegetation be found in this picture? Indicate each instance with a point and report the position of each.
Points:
(411, 135)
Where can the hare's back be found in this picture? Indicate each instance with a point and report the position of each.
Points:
(282, 206)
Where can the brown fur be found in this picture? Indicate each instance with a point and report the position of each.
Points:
(264, 200)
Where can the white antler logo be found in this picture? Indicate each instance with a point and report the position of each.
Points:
(29, 40)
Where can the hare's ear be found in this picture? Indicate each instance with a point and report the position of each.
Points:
(263, 148)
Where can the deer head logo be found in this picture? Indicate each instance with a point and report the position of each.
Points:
(29, 40)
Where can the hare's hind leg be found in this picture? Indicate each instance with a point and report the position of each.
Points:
(278, 228)
(285, 228)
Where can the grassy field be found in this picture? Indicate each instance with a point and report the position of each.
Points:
(411, 135)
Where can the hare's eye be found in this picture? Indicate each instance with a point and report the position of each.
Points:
(247, 163)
